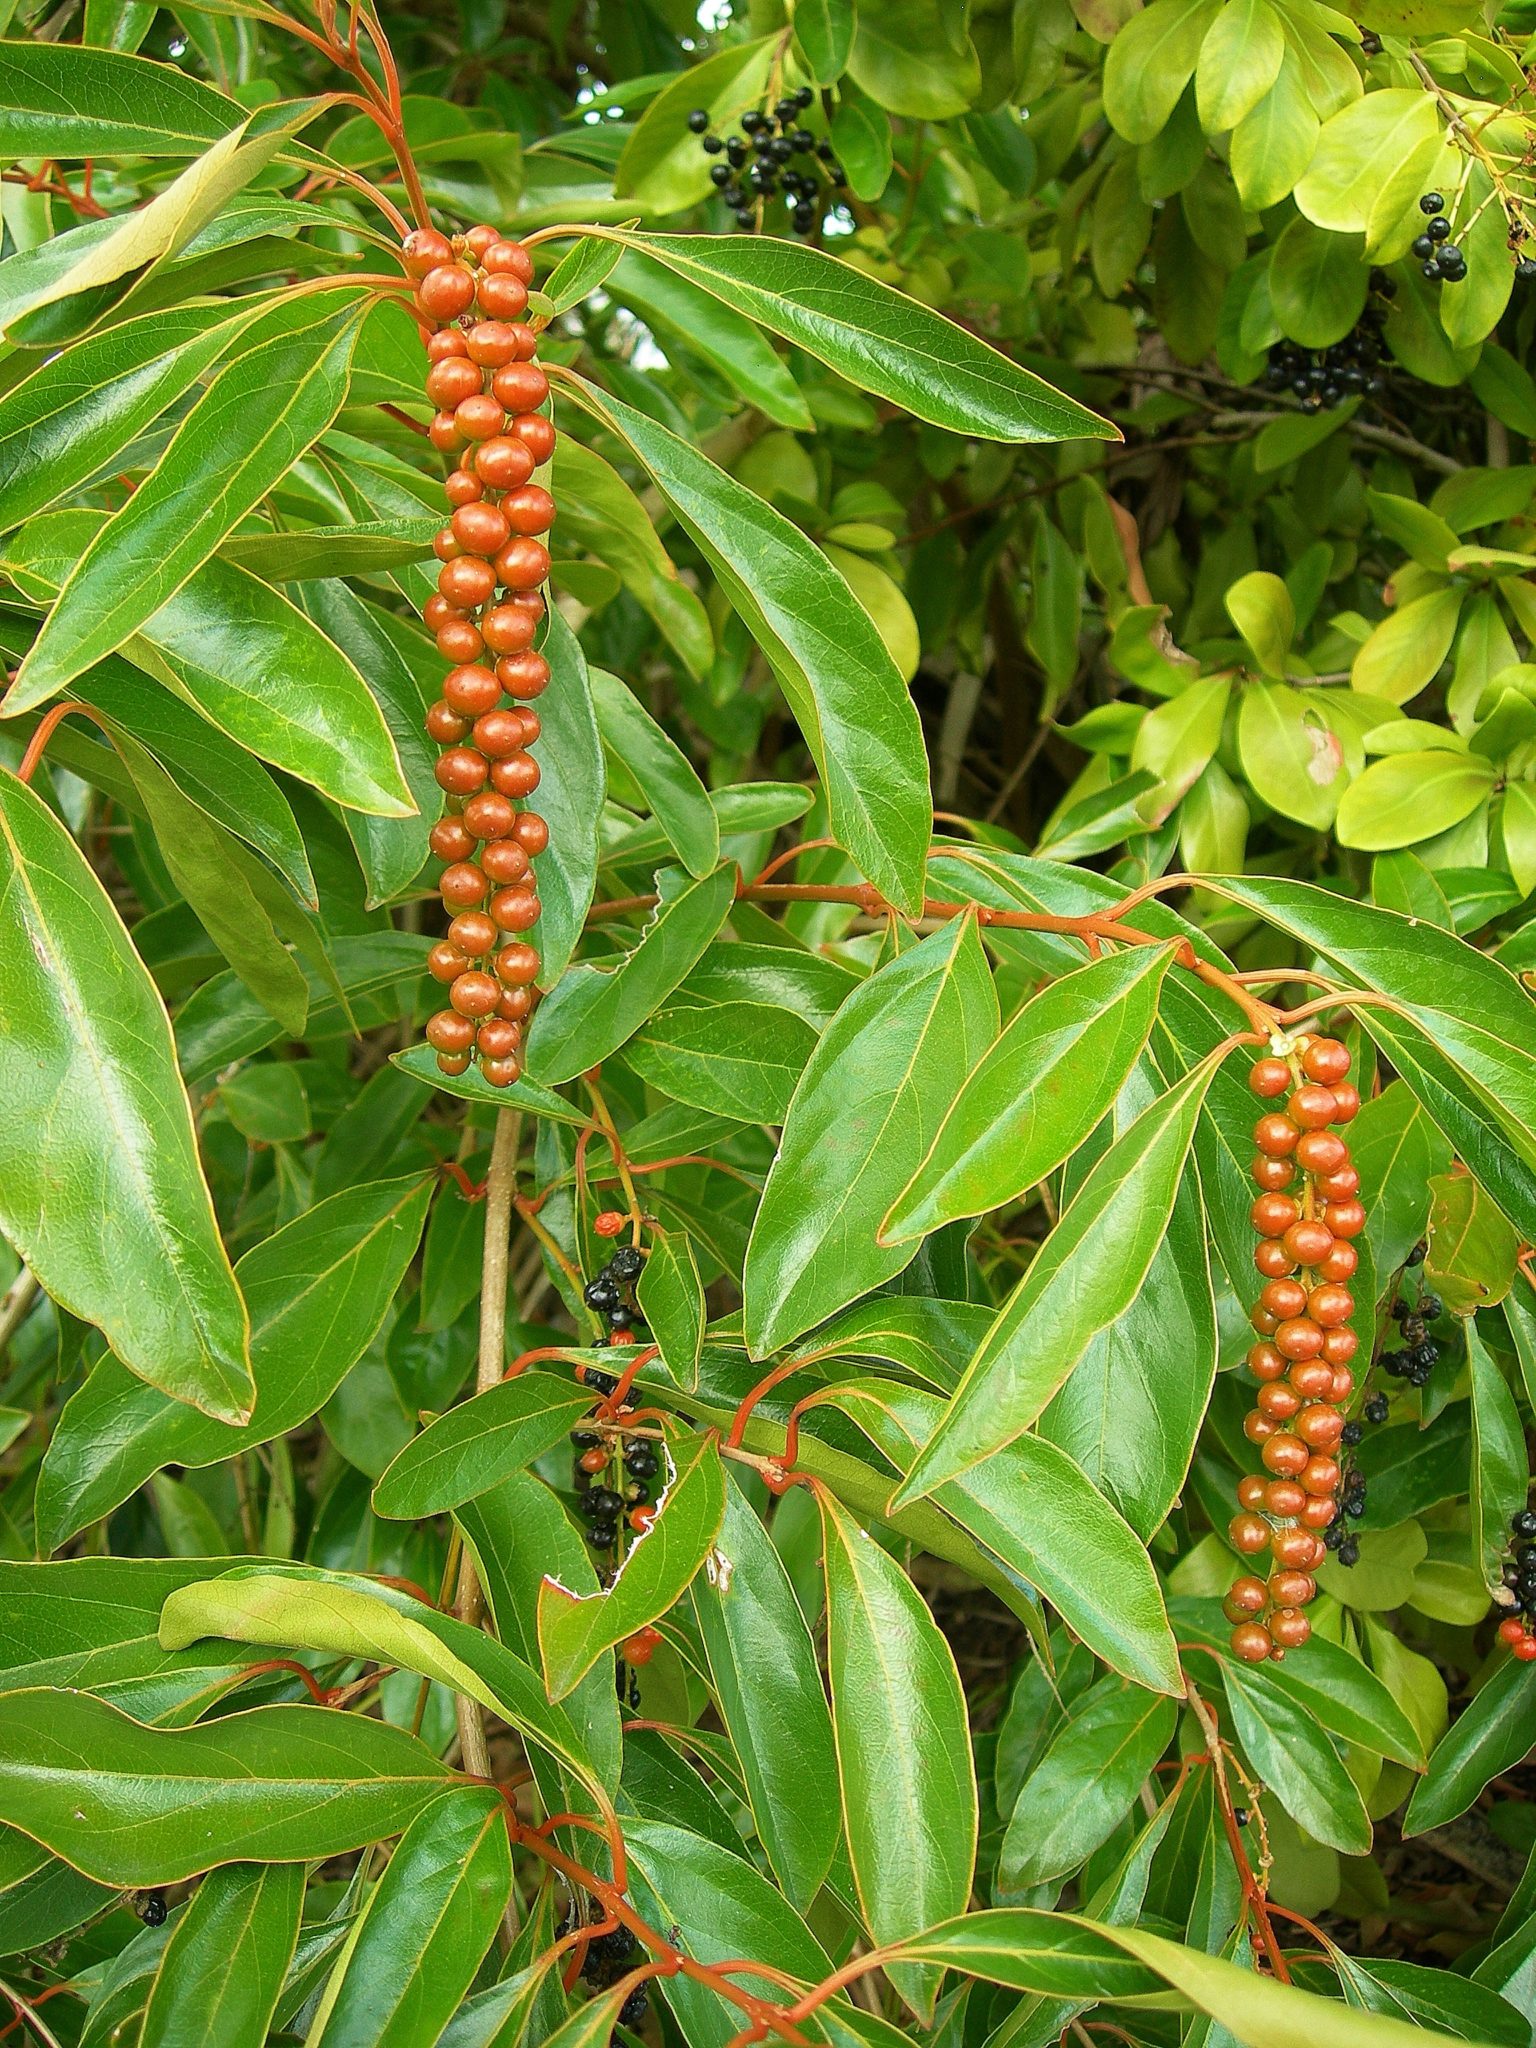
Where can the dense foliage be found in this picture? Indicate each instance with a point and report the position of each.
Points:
(870, 1375)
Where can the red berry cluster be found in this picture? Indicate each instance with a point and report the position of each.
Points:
(487, 610)
(1306, 1213)
(1519, 1636)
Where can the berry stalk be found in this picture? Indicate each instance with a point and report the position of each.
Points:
(1307, 1212)
(492, 418)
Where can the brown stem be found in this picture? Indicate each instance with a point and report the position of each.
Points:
(1253, 1892)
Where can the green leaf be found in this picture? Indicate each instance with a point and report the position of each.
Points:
(1272, 146)
(472, 1447)
(1472, 1249)
(861, 135)
(414, 1950)
(1403, 654)
(1260, 607)
(570, 799)
(707, 324)
(1116, 1221)
(903, 1746)
(841, 684)
(242, 436)
(599, 512)
(1317, 285)
(1290, 754)
(1357, 151)
(677, 798)
(1404, 798)
(245, 657)
(670, 1294)
(576, 1628)
(57, 100)
(420, 1063)
(863, 1115)
(1084, 1784)
(1500, 1473)
(1024, 1107)
(662, 166)
(1150, 62)
(101, 1190)
(1460, 1034)
(824, 34)
(879, 339)
(1239, 61)
(1291, 1751)
(737, 1059)
(916, 57)
(318, 1290)
(593, 1011)
(223, 1969)
(309, 1609)
(765, 1677)
(233, 895)
(1488, 1738)
(579, 273)
(131, 1805)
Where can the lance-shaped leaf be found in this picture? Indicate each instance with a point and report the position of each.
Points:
(311, 1609)
(1293, 1753)
(223, 1969)
(249, 660)
(1083, 1786)
(903, 1746)
(765, 1677)
(594, 1010)
(1040, 1516)
(865, 1111)
(101, 1189)
(241, 437)
(876, 337)
(845, 691)
(418, 1942)
(1489, 1737)
(1086, 1274)
(668, 779)
(58, 100)
(600, 513)
(1037, 1093)
(475, 1445)
(318, 1290)
(670, 1294)
(1500, 1473)
(131, 1805)
(64, 423)
(1460, 1036)
(576, 1628)
(570, 799)
(740, 1060)
(673, 306)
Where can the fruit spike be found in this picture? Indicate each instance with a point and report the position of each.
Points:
(1306, 1216)
(472, 294)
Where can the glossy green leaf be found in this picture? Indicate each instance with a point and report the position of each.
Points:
(1472, 1249)
(246, 431)
(474, 1445)
(1405, 798)
(1489, 1737)
(1025, 1106)
(677, 798)
(131, 1805)
(662, 167)
(863, 1115)
(101, 1190)
(62, 101)
(824, 33)
(222, 1970)
(670, 1296)
(736, 1059)
(841, 685)
(1291, 1751)
(602, 515)
(877, 338)
(593, 1011)
(245, 657)
(1150, 61)
(1116, 1220)
(680, 307)
(576, 1628)
(318, 1290)
(1500, 1469)
(764, 1675)
(903, 1746)
(570, 799)
(417, 1945)
(1084, 1784)
(916, 57)
(307, 1608)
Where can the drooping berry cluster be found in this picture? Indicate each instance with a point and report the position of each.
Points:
(1419, 1354)
(774, 156)
(1439, 258)
(1307, 1212)
(1519, 1628)
(490, 396)
(612, 1956)
(1352, 368)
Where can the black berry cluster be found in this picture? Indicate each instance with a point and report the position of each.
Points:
(1519, 1629)
(1439, 258)
(774, 156)
(609, 1957)
(1419, 1354)
(1352, 368)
